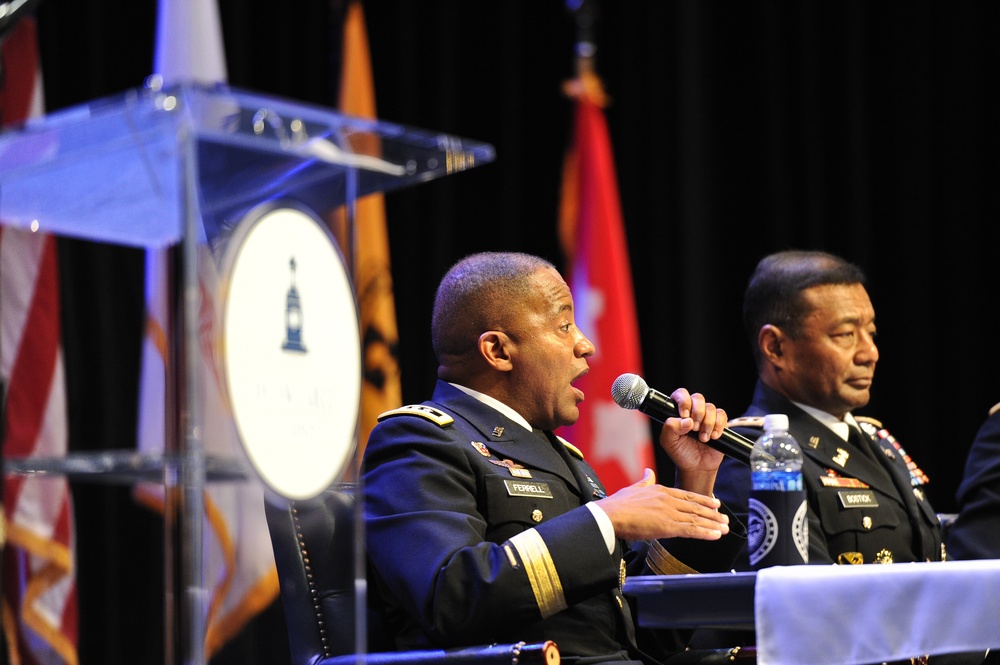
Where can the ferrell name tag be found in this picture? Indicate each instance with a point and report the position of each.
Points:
(533, 488)
(857, 499)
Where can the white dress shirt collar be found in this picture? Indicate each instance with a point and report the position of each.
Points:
(839, 427)
(496, 404)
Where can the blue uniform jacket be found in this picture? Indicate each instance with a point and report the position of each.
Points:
(477, 533)
(976, 531)
(860, 510)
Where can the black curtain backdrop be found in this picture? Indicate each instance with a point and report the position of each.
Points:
(865, 129)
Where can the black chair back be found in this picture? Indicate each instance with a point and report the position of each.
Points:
(316, 561)
(314, 555)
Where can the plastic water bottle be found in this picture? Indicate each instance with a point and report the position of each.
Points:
(778, 533)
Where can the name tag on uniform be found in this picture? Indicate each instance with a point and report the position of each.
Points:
(857, 499)
(533, 488)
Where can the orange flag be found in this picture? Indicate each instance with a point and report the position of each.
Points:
(616, 442)
(381, 389)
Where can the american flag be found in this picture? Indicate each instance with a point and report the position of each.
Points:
(39, 584)
(382, 387)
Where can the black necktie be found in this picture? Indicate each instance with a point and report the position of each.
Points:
(584, 486)
(861, 442)
(864, 444)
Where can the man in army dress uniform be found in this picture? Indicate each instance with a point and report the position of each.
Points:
(812, 330)
(976, 531)
(483, 526)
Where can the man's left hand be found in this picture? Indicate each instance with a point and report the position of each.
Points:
(684, 439)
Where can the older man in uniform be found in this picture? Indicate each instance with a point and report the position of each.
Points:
(483, 526)
(812, 331)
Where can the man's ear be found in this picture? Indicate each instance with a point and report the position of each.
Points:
(771, 341)
(496, 348)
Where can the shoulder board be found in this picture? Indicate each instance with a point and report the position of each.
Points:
(870, 421)
(747, 421)
(436, 416)
(576, 452)
(995, 408)
(871, 429)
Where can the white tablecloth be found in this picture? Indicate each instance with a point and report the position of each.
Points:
(850, 615)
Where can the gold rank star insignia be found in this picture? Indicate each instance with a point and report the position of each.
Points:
(498, 431)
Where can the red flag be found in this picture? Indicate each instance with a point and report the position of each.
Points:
(39, 585)
(616, 442)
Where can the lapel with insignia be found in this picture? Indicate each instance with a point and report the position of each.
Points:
(896, 466)
(846, 458)
(820, 444)
(503, 437)
(586, 487)
(535, 452)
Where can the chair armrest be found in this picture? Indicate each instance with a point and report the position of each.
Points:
(541, 653)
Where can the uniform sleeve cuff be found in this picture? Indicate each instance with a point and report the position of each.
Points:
(605, 525)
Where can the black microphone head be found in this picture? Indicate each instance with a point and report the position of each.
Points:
(629, 390)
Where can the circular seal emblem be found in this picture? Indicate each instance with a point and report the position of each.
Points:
(800, 532)
(762, 531)
(291, 349)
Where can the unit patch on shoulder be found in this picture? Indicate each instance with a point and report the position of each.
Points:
(436, 416)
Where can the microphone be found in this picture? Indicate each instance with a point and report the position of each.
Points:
(630, 391)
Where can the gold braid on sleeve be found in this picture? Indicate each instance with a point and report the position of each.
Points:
(542, 574)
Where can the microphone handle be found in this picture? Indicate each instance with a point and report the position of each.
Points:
(655, 404)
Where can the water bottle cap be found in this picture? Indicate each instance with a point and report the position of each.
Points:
(775, 421)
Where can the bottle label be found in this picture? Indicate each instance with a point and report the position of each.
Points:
(780, 481)
(777, 529)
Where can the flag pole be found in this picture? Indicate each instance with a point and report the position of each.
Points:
(11, 12)
(592, 234)
(585, 14)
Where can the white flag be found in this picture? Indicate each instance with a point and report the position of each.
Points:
(239, 563)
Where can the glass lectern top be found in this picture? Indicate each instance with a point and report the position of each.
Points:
(115, 169)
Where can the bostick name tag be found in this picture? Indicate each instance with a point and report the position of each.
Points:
(857, 499)
(533, 488)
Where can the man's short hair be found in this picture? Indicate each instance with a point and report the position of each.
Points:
(774, 292)
(484, 291)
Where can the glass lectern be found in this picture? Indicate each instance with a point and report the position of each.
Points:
(240, 190)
